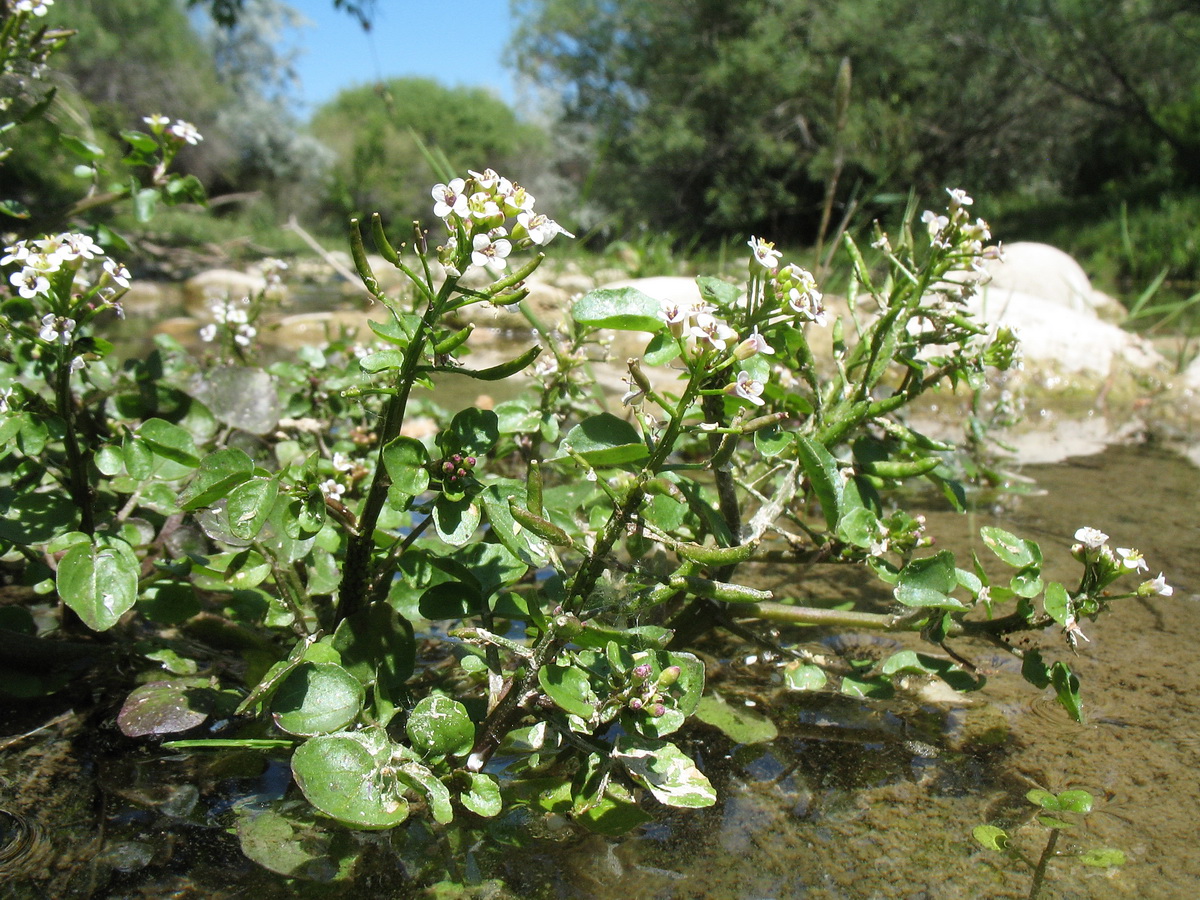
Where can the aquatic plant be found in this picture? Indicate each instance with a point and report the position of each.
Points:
(502, 613)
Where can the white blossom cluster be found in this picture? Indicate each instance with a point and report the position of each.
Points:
(234, 317)
(179, 131)
(42, 259)
(37, 7)
(481, 205)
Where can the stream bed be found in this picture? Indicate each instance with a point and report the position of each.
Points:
(855, 798)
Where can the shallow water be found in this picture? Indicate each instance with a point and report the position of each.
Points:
(854, 799)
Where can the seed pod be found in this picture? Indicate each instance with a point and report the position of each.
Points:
(454, 341)
(669, 676)
(515, 278)
(533, 487)
(724, 453)
(763, 422)
(719, 590)
(714, 556)
(901, 468)
(543, 528)
(665, 487)
(359, 254)
(381, 242)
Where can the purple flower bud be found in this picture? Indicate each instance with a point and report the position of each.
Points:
(447, 467)
(642, 672)
(658, 710)
(635, 703)
(470, 460)
(669, 676)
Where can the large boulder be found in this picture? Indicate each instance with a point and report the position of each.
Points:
(1039, 270)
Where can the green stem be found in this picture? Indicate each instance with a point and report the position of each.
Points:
(1039, 874)
(77, 457)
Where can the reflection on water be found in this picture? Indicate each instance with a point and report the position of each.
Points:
(853, 799)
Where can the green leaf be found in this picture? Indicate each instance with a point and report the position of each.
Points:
(381, 360)
(483, 795)
(1016, 552)
(421, 779)
(663, 348)
(140, 141)
(169, 441)
(929, 582)
(317, 698)
(740, 724)
(455, 520)
(1058, 603)
(1034, 670)
(340, 777)
(605, 440)
(1042, 798)
(772, 440)
(250, 505)
(570, 688)
(1066, 686)
(99, 580)
(822, 471)
(406, 461)
(439, 726)
(664, 770)
(145, 202)
(165, 707)
(626, 309)
(991, 837)
(800, 677)
(451, 600)
(1102, 857)
(292, 842)
(217, 475)
(858, 527)
(33, 517)
(721, 293)
(1027, 582)
(83, 149)
(377, 646)
(1077, 801)
(472, 432)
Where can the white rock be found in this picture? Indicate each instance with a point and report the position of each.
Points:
(1040, 270)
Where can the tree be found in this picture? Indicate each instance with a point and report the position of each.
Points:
(227, 13)
(720, 115)
(374, 131)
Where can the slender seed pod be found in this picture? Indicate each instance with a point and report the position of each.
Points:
(533, 487)
(902, 468)
(454, 341)
(713, 556)
(359, 254)
(719, 590)
(543, 528)
(386, 250)
(516, 277)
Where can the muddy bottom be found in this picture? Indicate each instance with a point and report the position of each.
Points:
(854, 799)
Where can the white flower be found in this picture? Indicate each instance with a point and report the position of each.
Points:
(807, 305)
(56, 328)
(244, 334)
(1159, 586)
(752, 346)
(117, 272)
(76, 364)
(959, 197)
(333, 489)
(765, 254)
(37, 7)
(1073, 632)
(487, 179)
(30, 283)
(450, 199)
(488, 252)
(78, 246)
(517, 200)
(746, 388)
(541, 229)
(157, 122)
(1092, 538)
(712, 330)
(185, 131)
(1132, 559)
(208, 333)
(482, 206)
(934, 222)
(342, 463)
(18, 252)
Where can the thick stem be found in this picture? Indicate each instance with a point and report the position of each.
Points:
(77, 457)
(1039, 874)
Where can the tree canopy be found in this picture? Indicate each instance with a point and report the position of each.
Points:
(722, 115)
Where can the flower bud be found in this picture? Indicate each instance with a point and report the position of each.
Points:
(658, 710)
(669, 676)
(642, 672)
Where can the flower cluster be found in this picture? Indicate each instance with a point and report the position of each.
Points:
(37, 7)
(963, 241)
(478, 207)
(43, 259)
(180, 132)
(236, 320)
(1103, 565)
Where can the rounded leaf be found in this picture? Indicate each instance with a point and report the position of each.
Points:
(340, 777)
(439, 726)
(317, 698)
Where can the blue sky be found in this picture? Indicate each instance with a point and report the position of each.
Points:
(458, 42)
